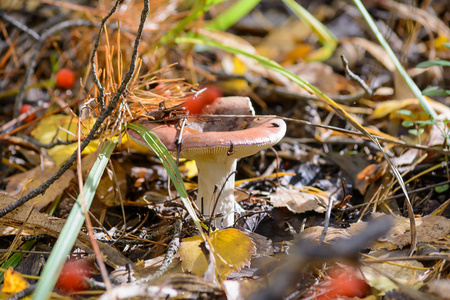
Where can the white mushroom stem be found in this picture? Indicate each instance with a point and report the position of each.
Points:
(212, 173)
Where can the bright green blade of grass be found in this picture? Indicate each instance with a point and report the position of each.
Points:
(232, 15)
(270, 64)
(326, 38)
(16, 258)
(198, 10)
(416, 91)
(169, 164)
(432, 63)
(70, 231)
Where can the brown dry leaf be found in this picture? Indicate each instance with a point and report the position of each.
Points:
(14, 282)
(373, 48)
(333, 234)
(408, 272)
(107, 191)
(440, 288)
(430, 229)
(37, 223)
(299, 201)
(233, 250)
(369, 175)
(38, 175)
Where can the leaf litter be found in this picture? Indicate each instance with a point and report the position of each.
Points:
(340, 179)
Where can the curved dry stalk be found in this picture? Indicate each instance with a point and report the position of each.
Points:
(106, 112)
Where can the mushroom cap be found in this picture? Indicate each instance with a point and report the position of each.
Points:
(219, 138)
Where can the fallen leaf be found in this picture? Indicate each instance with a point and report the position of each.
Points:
(369, 175)
(37, 223)
(299, 201)
(430, 229)
(233, 250)
(390, 107)
(440, 288)
(18, 182)
(407, 272)
(14, 282)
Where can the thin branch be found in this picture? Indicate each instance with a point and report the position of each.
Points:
(171, 251)
(33, 60)
(94, 53)
(355, 77)
(20, 26)
(99, 122)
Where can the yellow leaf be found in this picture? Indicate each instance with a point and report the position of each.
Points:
(233, 248)
(65, 128)
(389, 107)
(191, 168)
(13, 282)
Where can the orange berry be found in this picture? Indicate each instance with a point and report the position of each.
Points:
(24, 109)
(344, 284)
(65, 78)
(74, 276)
(207, 95)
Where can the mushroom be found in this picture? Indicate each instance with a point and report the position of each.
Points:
(215, 143)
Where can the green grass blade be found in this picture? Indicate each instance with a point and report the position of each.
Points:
(199, 9)
(169, 164)
(328, 40)
(432, 63)
(232, 15)
(270, 64)
(70, 231)
(16, 258)
(416, 91)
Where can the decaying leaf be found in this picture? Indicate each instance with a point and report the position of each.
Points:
(13, 282)
(299, 201)
(390, 107)
(233, 250)
(38, 223)
(430, 229)
(370, 174)
(440, 288)
(406, 272)
(38, 175)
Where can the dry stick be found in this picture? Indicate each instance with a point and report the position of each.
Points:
(20, 26)
(23, 293)
(355, 77)
(101, 89)
(100, 119)
(171, 251)
(37, 48)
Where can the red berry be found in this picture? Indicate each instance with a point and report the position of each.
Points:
(74, 275)
(344, 284)
(207, 95)
(65, 78)
(24, 109)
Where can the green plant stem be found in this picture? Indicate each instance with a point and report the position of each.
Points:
(69, 233)
(423, 102)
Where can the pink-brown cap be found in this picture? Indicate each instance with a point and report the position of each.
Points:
(219, 137)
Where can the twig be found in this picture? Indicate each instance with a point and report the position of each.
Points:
(99, 122)
(26, 292)
(101, 89)
(19, 25)
(171, 251)
(37, 48)
(355, 77)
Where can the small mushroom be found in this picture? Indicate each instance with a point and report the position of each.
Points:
(215, 143)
